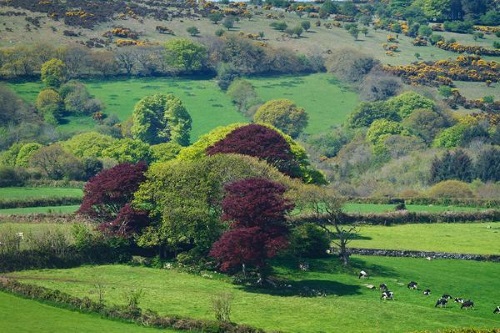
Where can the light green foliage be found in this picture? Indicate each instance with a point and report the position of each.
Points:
(161, 118)
(50, 104)
(445, 91)
(53, 73)
(405, 103)
(433, 8)
(367, 112)
(184, 197)
(450, 137)
(26, 151)
(167, 151)
(193, 31)
(77, 99)
(243, 95)
(9, 156)
(185, 55)
(450, 189)
(284, 115)
(380, 129)
(89, 144)
(128, 150)
(56, 163)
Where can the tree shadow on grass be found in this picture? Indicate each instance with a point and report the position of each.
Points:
(303, 288)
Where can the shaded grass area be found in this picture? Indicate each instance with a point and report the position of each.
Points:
(473, 238)
(172, 292)
(327, 101)
(40, 210)
(22, 315)
(39, 192)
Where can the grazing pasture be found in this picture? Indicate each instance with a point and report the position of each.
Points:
(39, 192)
(384, 208)
(348, 306)
(27, 316)
(207, 104)
(473, 238)
(40, 210)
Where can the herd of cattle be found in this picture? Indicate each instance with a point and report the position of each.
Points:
(441, 302)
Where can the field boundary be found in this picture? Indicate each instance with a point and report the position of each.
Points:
(429, 255)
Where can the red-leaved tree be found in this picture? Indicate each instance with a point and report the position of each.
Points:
(261, 142)
(107, 198)
(256, 210)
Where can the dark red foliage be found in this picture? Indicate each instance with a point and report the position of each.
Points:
(128, 222)
(261, 142)
(256, 209)
(110, 190)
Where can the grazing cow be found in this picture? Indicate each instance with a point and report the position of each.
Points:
(387, 295)
(412, 285)
(497, 310)
(441, 302)
(362, 274)
(383, 287)
(446, 297)
(459, 300)
(467, 305)
(427, 292)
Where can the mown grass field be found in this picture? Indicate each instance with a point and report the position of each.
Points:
(39, 192)
(384, 208)
(40, 210)
(19, 315)
(348, 307)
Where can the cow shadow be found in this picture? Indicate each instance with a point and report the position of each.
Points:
(303, 288)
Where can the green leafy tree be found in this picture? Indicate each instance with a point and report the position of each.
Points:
(161, 118)
(185, 55)
(354, 32)
(184, 198)
(89, 144)
(450, 189)
(25, 153)
(298, 30)
(452, 165)
(128, 151)
(405, 103)
(381, 128)
(427, 123)
(450, 137)
(215, 17)
(488, 165)
(243, 94)
(53, 73)
(50, 104)
(284, 115)
(306, 25)
(166, 151)
(228, 23)
(367, 112)
(445, 91)
(193, 31)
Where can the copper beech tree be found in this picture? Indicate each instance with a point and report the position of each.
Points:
(255, 209)
(107, 198)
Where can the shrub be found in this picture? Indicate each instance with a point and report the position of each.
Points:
(309, 241)
(450, 189)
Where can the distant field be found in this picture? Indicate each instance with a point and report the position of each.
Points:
(19, 315)
(326, 101)
(473, 238)
(39, 192)
(171, 292)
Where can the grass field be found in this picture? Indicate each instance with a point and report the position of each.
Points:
(208, 105)
(348, 307)
(39, 192)
(384, 208)
(40, 210)
(19, 315)
(474, 238)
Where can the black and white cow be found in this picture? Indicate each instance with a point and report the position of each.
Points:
(412, 285)
(362, 274)
(383, 287)
(387, 295)
(441, 302)
(497, 310)
(467, 305)
(446, 296)
(459, 300)
(427, 292)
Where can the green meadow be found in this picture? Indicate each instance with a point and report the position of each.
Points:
(210, 107)
(384, 208)
(473, 238)
(39, 192)
(27, 316)
(349, 306)
(40, 210)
